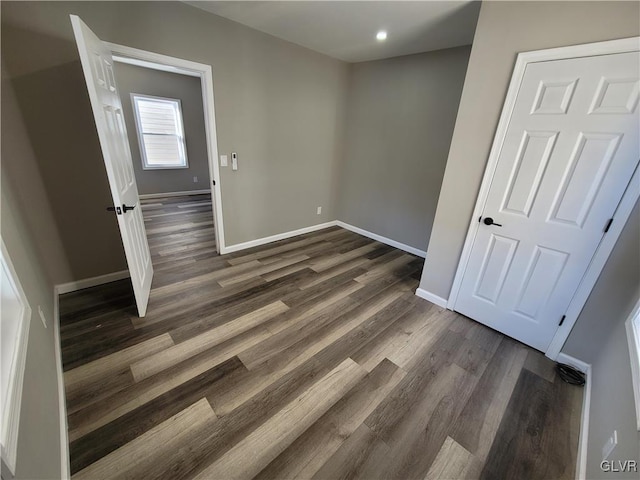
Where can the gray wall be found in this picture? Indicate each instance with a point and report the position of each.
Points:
(26, 217)
(400, 119)
(599, 338)
(280, 106)
(132, 79)
(503, 30)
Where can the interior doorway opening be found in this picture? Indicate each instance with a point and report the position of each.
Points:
(164, 115)
(212, 192)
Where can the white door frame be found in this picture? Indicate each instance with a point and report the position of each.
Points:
(623, 210)
(157, 61)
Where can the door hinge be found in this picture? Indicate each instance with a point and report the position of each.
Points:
(608, 225)
(562, 320)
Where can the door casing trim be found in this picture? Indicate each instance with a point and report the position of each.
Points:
(623, 210)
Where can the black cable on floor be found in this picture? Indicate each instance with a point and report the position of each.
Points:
(570, 374)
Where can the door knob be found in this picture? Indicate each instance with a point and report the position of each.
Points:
(489, 221)
(126, 208)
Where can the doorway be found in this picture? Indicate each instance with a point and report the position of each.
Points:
(149, 60)
(164, 115)
(97, 62)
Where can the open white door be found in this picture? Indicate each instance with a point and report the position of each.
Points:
(570, 149)
(97, 65)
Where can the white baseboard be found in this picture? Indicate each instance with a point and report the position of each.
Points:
(91, 282)
(581, 463)
(145, 196)
(435, 299)
(274, 238)
(581, 467)
(584, 367)
(321, 226)
(65, 465)
(385, 240)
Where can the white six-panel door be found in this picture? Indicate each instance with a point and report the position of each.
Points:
(97, 65)
(570, 149)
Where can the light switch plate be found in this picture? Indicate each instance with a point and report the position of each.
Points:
(224, 161)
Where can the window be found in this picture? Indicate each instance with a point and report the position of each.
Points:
(15, 314)
(160, 132)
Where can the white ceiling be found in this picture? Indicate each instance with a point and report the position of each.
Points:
(347, 30)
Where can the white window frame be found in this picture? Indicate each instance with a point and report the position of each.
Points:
(633, 337)
(180, 135)
(11, 410)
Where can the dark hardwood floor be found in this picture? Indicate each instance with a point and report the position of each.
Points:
(306, 358)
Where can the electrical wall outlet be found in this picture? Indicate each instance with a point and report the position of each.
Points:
(609, 446)
(42, 317)
(319, 211)
(224, 161)
(195, 179)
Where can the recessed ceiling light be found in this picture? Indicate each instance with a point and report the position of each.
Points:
(381, 35)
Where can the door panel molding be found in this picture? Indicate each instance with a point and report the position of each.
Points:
(623, 210)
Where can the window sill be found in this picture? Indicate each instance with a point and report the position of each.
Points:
(167, 168)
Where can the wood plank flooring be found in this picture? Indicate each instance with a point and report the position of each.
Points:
(305, 358)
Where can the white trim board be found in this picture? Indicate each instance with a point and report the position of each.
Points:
(584, 367)
(385, 240)
(431, 297)
(90, 282)
(621, 215)
(633, 339)
(280, 236)
(65, 463)
(185, 193)
(581, 461)
(157, 61)
(293, 233)
(155, 66)
(13, 396)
